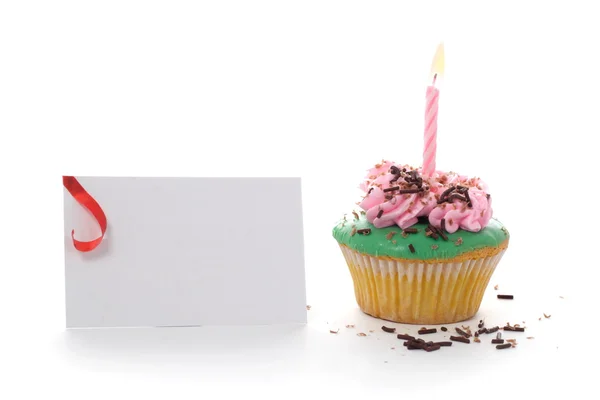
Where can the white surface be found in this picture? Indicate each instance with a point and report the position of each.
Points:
(187, 251)
(317, 89)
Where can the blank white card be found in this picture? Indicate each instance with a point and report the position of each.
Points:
(187, 251)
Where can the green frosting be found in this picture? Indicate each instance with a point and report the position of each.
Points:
(377, 244)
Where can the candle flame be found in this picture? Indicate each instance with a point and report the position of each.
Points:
(437, 65)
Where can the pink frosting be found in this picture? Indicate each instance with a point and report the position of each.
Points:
(458, 215)
(403, 209)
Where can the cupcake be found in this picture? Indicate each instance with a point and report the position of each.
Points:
(421, 250)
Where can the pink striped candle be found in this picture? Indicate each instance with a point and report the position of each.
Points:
(431, 114)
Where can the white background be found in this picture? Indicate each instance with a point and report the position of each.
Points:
(322, 90)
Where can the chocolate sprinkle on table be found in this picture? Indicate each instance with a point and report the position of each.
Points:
(444, 329)
(461, 332)
(503, 346)
(459, 339)
(411, 248)
(405, 336)
(506, 296)
(427, 331)
(433, 347)
(492, 330)
(480, 324)
(388, 330)
(446, 344)
(497, 341)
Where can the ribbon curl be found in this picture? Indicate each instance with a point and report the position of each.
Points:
(89, 203)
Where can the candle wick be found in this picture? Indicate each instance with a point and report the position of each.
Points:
(434, 78)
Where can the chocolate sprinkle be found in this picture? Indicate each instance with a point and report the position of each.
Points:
(439, 231)
(459, 339)
(442, 229)
(370, 190)
(497, 341)
(410, 230)
(391, 189)
(444, 329)
(429, 232)
(395, 170)
(433, 347)
(468, 199)
(405, 336)
(519, 329)
(457, 196)
(446, 344)
(492, 330)
(407, 191)
(461, 332)
(506, 296)
(380, 213)
(355, 215)
(388, 330)
(447, 191)
(480, 324)
(411, 248)
(427, 331)
(503, 346)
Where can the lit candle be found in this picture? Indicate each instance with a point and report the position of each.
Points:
(431, 113)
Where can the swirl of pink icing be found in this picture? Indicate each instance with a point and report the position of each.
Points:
(388, 208)
(458, 215)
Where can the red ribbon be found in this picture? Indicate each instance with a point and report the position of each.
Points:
(88, 202)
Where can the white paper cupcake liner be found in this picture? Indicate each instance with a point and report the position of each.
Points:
(418, 292)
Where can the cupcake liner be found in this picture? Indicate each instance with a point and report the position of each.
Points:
(417, 292)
